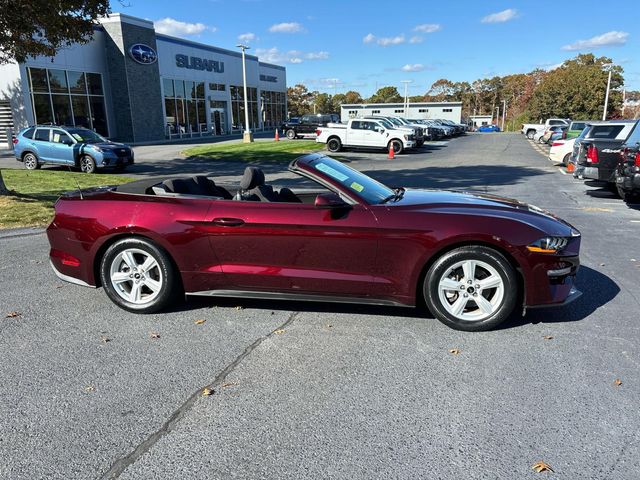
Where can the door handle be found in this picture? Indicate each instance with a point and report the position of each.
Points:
(228, 222)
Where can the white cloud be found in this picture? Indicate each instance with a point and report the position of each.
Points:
(171, 26)
(386, 41)
(500, 17)
(273, 55)
(416, 39)
(415, 67)
(427, 27)
(605, 40)
(369, 38)
(247, 37)
(286, 27)
(323, 82)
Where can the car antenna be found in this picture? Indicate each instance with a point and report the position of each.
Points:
(77, 183)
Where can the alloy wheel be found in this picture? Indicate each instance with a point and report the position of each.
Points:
(471, 290)
(136, 276)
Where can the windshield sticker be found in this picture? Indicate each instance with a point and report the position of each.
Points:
(77, 137)
(332, 172)
(357, 187)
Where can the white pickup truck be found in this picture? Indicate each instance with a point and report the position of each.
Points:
(530, 129)
(361, 133)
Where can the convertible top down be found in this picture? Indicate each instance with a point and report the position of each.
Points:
(472, 258)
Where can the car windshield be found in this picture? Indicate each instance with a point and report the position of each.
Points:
(86, 136)
(372, 191)
(395, 121)
(385, 123)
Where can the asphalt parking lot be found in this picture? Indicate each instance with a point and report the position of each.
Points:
(332, 391)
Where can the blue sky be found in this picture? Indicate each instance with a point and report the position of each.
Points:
(332, 45)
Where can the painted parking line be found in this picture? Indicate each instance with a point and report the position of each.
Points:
(562, 171)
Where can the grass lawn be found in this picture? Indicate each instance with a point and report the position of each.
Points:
(33, 193)
(259, 151)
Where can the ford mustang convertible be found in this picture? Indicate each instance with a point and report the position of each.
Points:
(471, 258)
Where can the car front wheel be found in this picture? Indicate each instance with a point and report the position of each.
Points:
(291, 134)
(396, 145)
(471, 288)
(87, 164)
(138, 276)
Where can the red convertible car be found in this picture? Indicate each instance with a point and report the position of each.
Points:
(472, 258)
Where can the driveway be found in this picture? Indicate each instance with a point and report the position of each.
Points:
(333, 391)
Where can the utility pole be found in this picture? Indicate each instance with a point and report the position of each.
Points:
(606, 97)
(406, 96)
(504, 112)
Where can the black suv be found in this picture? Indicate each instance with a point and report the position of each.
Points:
(628, 170)
(308, 124)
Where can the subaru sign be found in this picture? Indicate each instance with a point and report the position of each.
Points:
(143, 54)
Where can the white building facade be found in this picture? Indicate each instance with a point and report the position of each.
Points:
(436, 110)
(135, 85)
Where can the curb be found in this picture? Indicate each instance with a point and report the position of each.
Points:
(20, 232)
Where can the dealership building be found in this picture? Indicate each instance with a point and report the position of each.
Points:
(440, 110)
(135, 85)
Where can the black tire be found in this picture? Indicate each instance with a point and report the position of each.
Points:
(334, 145)
(31, 161)
(291, 134)
(165, 273)
(530, 134)
(87, 164)
(396, 145)
(629, 197)
(504, 295)
(565, 160)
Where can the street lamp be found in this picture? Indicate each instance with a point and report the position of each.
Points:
(406, 96)
(606, 97)
(247, 136)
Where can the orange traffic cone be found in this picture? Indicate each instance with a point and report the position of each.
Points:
(392, 153)
(571, 167)
(277, 138)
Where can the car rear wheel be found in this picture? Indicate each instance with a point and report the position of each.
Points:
(471, 288)
(565, 160)
(531, 134)
(396, 145)
(31, 161)
(334, 145)
(138, 276)
(87, 164)
(291, 134)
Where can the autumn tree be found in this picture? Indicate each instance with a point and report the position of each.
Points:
(441, 90)
(30, 28)
(577, 89)
(325, 103)
(299, 100)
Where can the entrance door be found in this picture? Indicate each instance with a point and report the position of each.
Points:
(217, 127)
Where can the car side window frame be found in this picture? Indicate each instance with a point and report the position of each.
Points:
(62, 133)
(35, 134)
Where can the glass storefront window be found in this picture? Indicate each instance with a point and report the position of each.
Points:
(94, 83)
(38, 80)
(81, 113)
(168, 87)
(42, 108)
(77, 82)
(189, 90)
(61, 110)
(200, 90)
(179, 88)
(98, 115)
(58, 81)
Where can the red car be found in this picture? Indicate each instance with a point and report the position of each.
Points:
(472, 258)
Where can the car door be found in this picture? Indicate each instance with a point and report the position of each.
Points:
(63, 147)
(294, 247)
(371, 136)
(41, 144)
(355, 134)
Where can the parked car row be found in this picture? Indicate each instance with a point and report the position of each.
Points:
(607, 152)
(385, 132)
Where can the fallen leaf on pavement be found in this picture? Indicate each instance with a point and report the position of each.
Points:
(454, 351)
(199, 322)
(280, 331)
(548, 337)
(207, 391)
(542, 467)
(90, 388)
(227, 385)
(13, 314)
(617, 382)
(155, 335)
(105, 339)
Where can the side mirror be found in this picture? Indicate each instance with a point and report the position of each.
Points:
(330, 200)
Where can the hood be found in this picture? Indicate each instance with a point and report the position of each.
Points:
(467, 203)
(110, 145)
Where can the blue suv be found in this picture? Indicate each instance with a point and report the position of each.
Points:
(72, 146)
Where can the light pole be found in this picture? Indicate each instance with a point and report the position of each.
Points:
(606, 97)
(504, 112)
(247, 136)
(406, 96)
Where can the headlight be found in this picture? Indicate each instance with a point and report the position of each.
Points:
(548, 245)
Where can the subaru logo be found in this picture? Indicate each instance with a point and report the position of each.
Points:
(142, 53)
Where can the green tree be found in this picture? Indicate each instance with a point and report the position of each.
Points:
(352, 97)
(577, 89)
(29, 28)
(325, 103)
(386, 95)
(299, 100)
